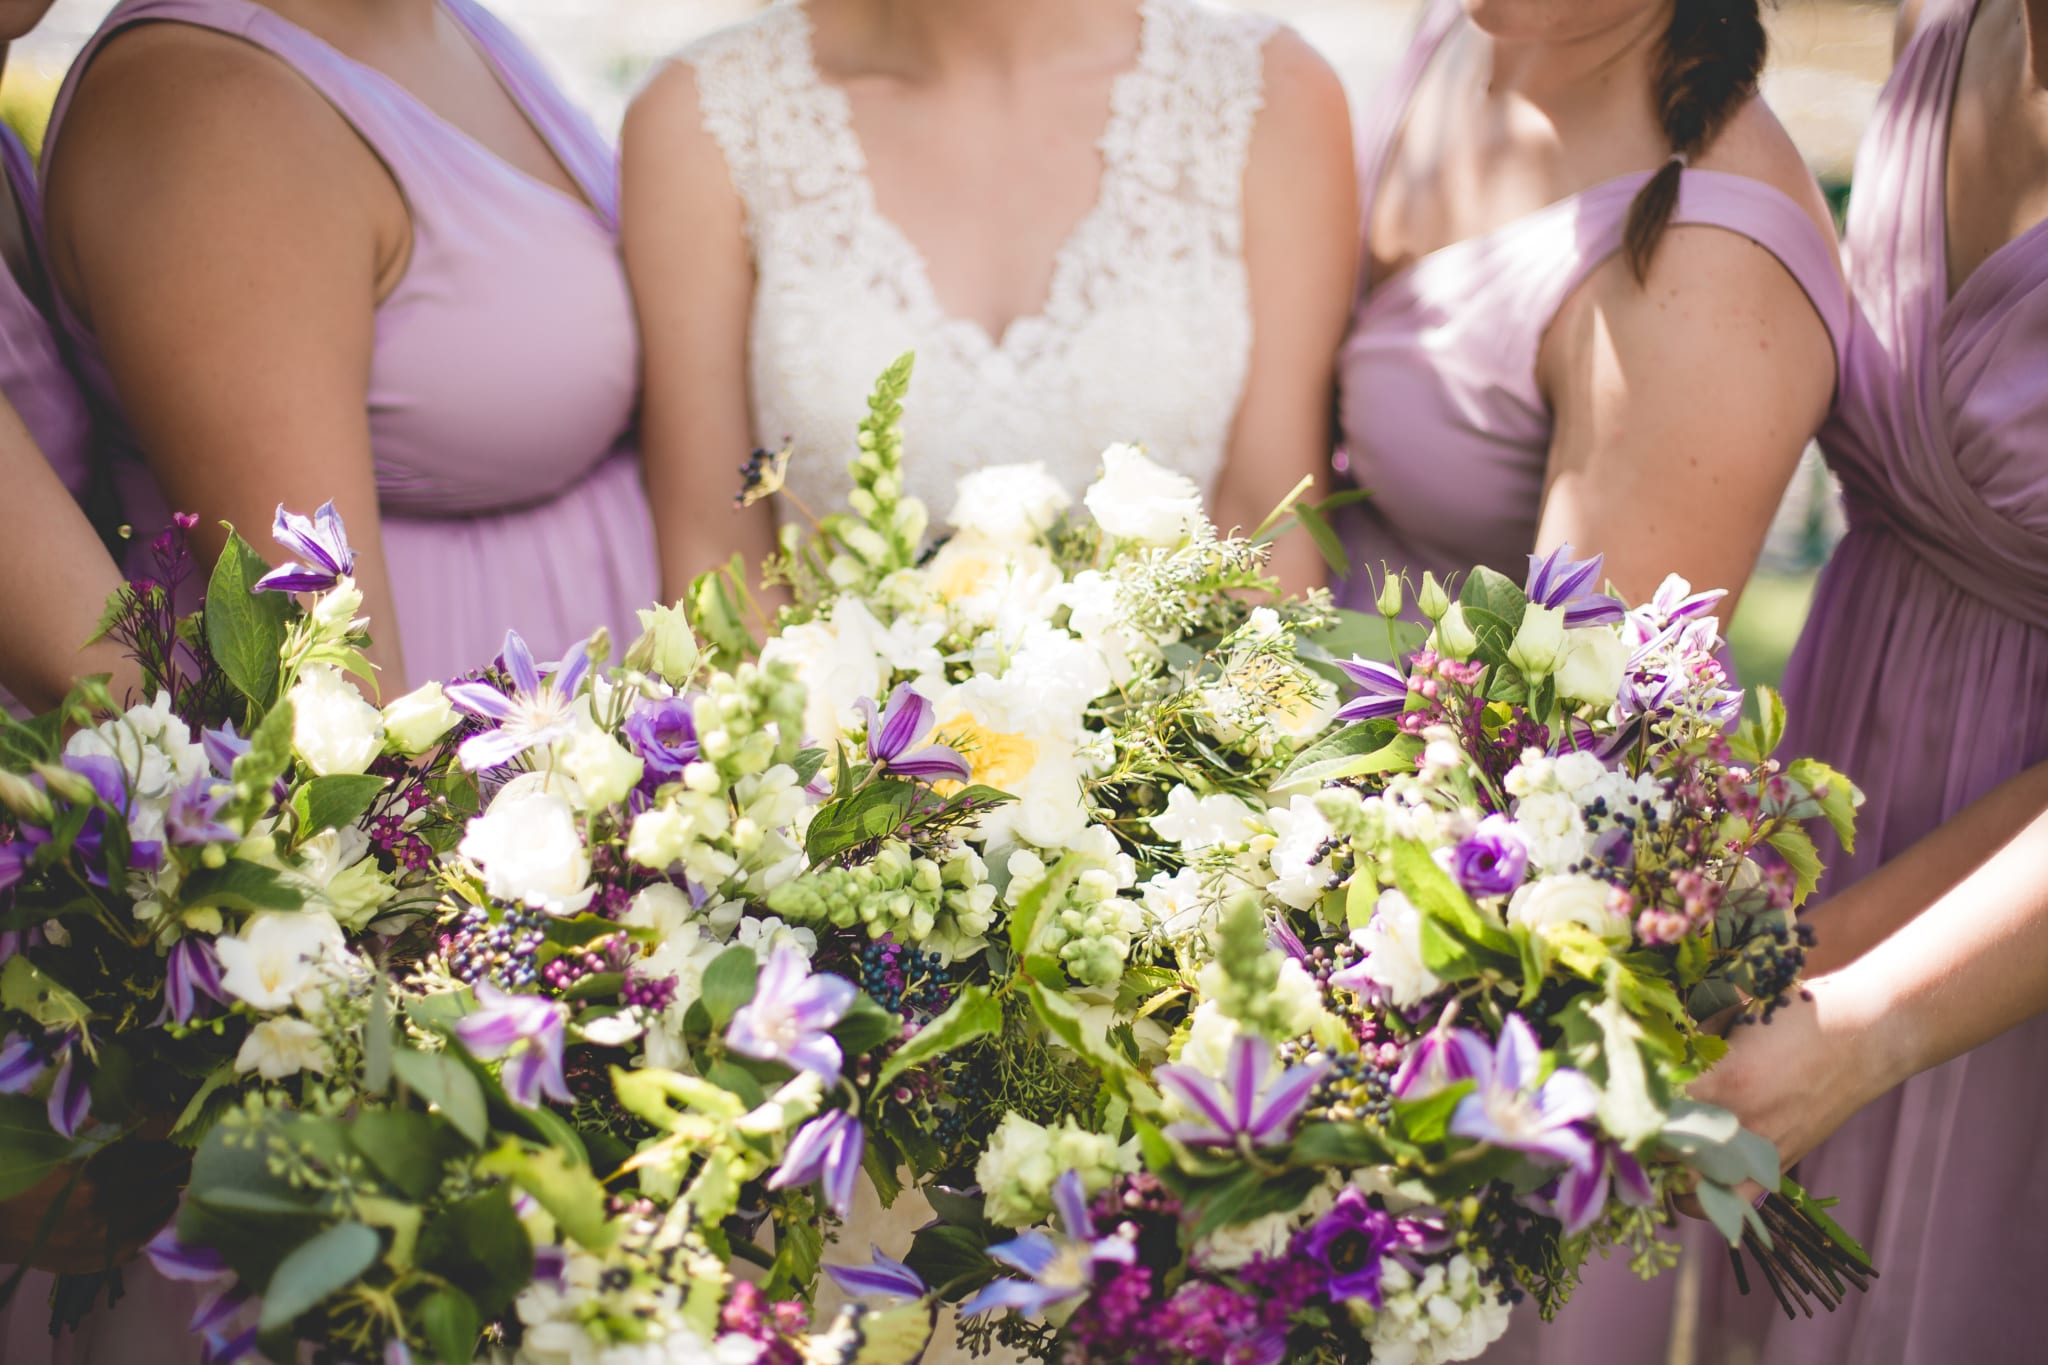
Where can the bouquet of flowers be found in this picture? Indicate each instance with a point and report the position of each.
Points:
(187, 908)
(1436, 1056)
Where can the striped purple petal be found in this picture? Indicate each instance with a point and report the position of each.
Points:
(1581, 1195)
(223, 747)
(293, 578)
(21, 1063)
(176, 1260)
(1023, 1295)
(479, 699)
(192, 970)
(568, 674)
(70, 1097)
(1383, 690)
(519, 663)
(493, 749)
(1516, 1056)
(13, 862)
(1029, 1253)
(842, 1165)
(1199, 1094)
(222, 1349)
(1243, 1075)
(903, 723)
(882, 1276)
(1284, 1102)
(217, 1309)
(933, 763)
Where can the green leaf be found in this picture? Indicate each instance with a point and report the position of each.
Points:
(1725, 1209)
(1759, 738)
(729, 983)
(1246, 1194)
(1445, 906)
(568, 1191)
(1835, 794)
(315, 1271)
(866, 1027)
(203, 1108)
(480, 1246)
(30, 990)
(30, 1150)
(1493, 609)
(730, 1075)
(1428, 1119)
(247, 887)
(1795, 846)
(406, 1147)
(451, 1324)
(1626, 1108)
(950, 1258)
(1338, 1144)
(449, 1086)
(1325, 538)
(334, 802)
(807, 764)
(873, 812)
(245, 629)
(973, 1014)
(1062, 1018)
(1354, 751)
(799, 1249)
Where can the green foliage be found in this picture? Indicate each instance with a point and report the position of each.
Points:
(973, 1014)
(246, 629)
(316, 1269)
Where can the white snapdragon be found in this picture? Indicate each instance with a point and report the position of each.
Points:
(1392, 942)
(1196, 823)
(157, 753)
(281, 958)
(1009, 504)
(1023, 1159)
(415, 722)
(1300, 875)
(1210, 1036)
(1447, 1313)
(766, 935)
(283, 1046)
(1179, 906)
(334, 728)
(335, 868)
(1138, 499)
(531, 848)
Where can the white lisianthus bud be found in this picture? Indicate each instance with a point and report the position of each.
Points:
(1432, 599)
(1594, 660)
(1389, 602)
(24, 799)
(1454, 637)
(334, 611)
(667, 647)
(1539, 645)
(603, 771)
(333, 728)
(659, 838)
(417, 720)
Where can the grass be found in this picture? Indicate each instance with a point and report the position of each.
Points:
(1767, 625)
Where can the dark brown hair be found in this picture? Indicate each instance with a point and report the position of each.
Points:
(1713, 53)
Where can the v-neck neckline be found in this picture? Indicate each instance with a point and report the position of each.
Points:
(1992, 266)
(1066, 260)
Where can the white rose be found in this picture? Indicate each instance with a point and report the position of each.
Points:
(667, 646)
(348, 884)
(281, 1047)
(1136, 499)
(839, 660)
(416, 721)
(603, 772)
(277, 955)
(531, 849)
(334, 729)
(1538, 646)
(1009, 503)
(1557, 901)
(1594, 660)
(1393, 950)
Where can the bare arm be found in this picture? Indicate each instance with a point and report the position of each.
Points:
(1970, 965)
(1301, 250)
(55, 577)
(1682, 407)
(228, 236)
(693, 286)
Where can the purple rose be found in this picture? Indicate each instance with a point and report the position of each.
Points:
(1491, 862)
(664, 734)
(1351, 1243)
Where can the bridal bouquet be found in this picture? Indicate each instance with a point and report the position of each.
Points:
(1435, 1054)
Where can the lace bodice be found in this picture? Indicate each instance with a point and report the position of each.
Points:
(1145, 334)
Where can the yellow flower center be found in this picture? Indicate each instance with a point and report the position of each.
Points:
(994, 758)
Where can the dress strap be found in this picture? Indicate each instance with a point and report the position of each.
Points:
(1380, 127)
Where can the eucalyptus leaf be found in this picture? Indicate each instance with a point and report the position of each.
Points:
(316, 1270)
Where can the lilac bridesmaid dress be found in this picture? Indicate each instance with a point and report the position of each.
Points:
(1923, 674)
(1445, 424)
(504, 384)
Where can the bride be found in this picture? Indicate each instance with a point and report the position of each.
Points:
(1093, 221)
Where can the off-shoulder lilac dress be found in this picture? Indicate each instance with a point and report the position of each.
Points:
(1443, 419)
(1444, 422)
(504, 384)
(1923, 674)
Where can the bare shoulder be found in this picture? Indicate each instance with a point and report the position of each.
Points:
(1756, 145)
(1304, 101)
(667, 153)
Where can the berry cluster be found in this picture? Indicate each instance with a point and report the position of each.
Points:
(568, 969)
(391, 828)
(502, 951)
(905, 980)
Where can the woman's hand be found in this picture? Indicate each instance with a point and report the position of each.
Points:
(1800, 1077)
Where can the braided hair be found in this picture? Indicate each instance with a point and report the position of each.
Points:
(1713, 54)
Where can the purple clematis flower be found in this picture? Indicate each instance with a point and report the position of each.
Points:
(1675, 601)
(1508, 1108)
(883, 1276)
(70, 1099)
(193, 816)
(21, 1063)
(830, 1147)
(903, 722)
(1582, 1190)
(527, 1030)
(1491, 861)
(664, 734)
(321, 545)
(222, 1348)
(1440, 1059)
(1558, 580)
(1060, 1268)
(1351, 1243)
(790, 1018)
(192, 970)
(223, 747)
(176, 1260)
(534, 713)
(1244, 1107)
(1382, 690)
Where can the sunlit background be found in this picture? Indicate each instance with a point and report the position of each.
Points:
(1828, 60)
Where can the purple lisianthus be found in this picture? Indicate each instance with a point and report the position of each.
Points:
(110, 787)
(1351, 1243)
(1247, 1105)
(526, 1029)
(791, 1016)
(882, 1276)
(1558, 580)
(1510, 1108)
(193, 970)
(1382, 690)
(321, 544)
(893, 737)
(1058, 1268)
(664, 733)
(1491, 860)
(533, 714)
(828, 1148)
(194, 814)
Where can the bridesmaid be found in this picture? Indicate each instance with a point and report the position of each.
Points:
(1601, 306)
(1923, 674)
(314, 249)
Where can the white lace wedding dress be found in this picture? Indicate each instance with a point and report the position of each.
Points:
(1146, 330)
(1145, 334)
